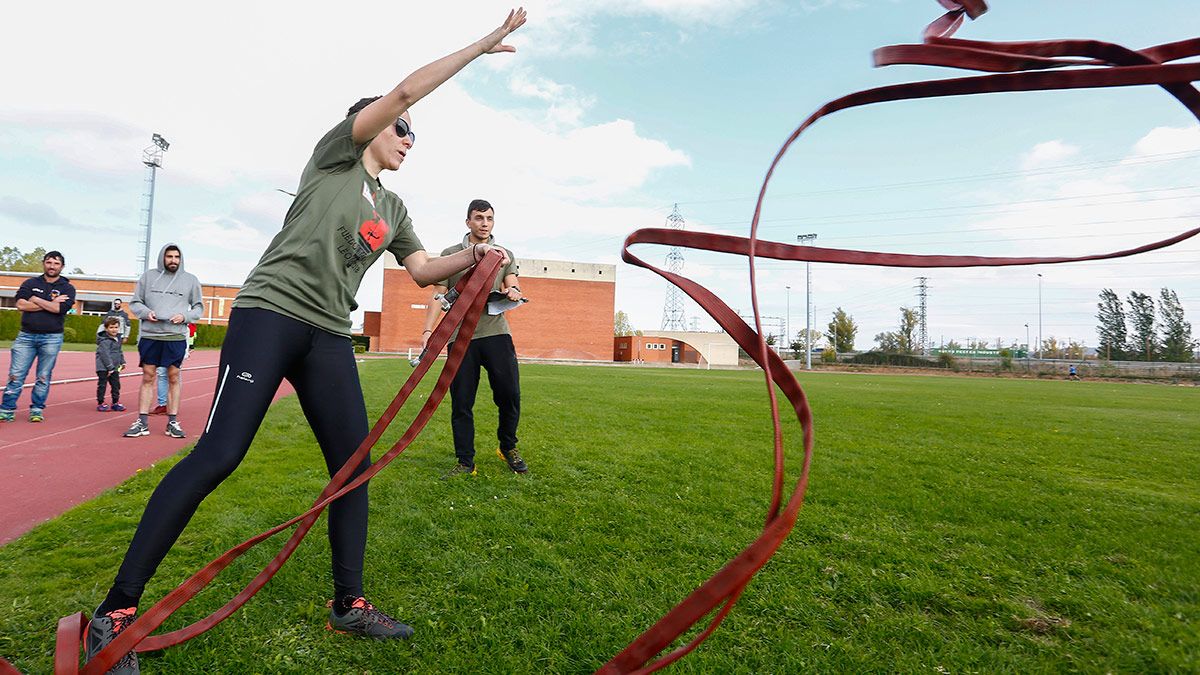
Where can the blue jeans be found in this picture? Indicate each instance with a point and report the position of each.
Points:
(161, 373)
(44, 346)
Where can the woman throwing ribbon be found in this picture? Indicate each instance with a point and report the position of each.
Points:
(297, 303)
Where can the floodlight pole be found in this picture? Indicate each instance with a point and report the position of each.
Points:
(787, 321)
(1027, 346)
(805, 240)
(152, 158)
(1040, 355)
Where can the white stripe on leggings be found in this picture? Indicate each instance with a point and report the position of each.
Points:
(217, 399)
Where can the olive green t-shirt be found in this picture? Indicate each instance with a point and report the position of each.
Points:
(341, 221)
(488, 325)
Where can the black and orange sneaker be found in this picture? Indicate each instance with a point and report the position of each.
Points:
(363, 619)
(103, 629)
(513, 459)
(459, 470)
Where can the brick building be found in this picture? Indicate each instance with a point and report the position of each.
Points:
(96, 293)
(569, 314)
(716, 349)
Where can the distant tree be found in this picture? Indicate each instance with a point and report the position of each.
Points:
(1051, 349)
(1177, 342)
(1073, 350)
(841, 331)
(1111, 329)
(906, 336)
(888, 342)
(952, 344)
(771, 339)
(621, 326)
(815, 339)
(977, 344)
(13, 260)
(1143, 345)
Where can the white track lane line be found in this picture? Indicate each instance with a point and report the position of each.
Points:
(79, 428)
(93, 397)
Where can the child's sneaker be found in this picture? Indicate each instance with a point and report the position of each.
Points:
(138, 428)
(363, 619)
(117, 407)
(103, 407)
(35, 416)
(104, 629)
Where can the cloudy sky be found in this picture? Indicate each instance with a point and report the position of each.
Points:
(608, 115)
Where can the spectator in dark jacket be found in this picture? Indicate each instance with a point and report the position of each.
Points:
(118, 311)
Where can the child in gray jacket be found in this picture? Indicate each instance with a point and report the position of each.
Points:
(110, 361)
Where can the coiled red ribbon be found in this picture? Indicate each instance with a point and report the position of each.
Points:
(1100, 64)
(1106, 65)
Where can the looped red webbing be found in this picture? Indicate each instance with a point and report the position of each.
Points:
(1106, 65)
(1109, 65)
(473, 288)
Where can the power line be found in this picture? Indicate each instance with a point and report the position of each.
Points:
(947, 180)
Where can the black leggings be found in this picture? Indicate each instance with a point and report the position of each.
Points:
(111, 378)
(261, 349)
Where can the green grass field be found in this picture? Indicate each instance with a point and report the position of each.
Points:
(952, 525)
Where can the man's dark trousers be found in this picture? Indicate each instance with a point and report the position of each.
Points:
(499, 358)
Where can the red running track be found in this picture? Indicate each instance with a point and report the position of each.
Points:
(77, 452)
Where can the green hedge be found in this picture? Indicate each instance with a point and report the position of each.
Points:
(882, 359)
(10, 323)
(209, 335)
(76, 328)
(83, 329)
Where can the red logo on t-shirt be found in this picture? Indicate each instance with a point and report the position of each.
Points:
(373, 233)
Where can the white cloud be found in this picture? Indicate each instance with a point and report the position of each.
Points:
(224, 233)
(1049, 153)
(1165, 140)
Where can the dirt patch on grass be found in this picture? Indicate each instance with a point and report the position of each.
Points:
(1041, 622)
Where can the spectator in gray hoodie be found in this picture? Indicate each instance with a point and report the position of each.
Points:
(166, 299)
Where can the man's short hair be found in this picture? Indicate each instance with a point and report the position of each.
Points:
(362, 103)
(480, 205)
(111, 321)
(170, 248)
(54, 254)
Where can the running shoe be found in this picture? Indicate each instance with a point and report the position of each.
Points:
(138, 428)
(459, 470)
(6, 415)
(364, 619)
(104, 629)
(103, 407)
(35, 416)
(513, 459)
(159, 410)
(117, 407)
(174, 430)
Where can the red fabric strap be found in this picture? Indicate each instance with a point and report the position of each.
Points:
(1104, 65)
(473, 288)
(1112, 66)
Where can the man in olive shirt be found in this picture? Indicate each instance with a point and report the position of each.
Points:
(491, 347)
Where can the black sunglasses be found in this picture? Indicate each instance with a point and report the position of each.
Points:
(402, 130)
